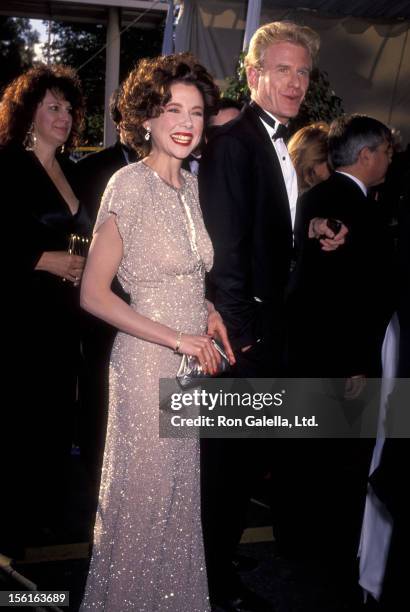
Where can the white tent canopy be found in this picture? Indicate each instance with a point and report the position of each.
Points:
(367, 56)
(365, 43)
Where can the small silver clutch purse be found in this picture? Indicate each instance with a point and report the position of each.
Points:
(190, 370)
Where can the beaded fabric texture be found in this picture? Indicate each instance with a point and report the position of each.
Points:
(148, 549)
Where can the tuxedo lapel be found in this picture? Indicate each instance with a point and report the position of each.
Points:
(268, 159)
(265, 142)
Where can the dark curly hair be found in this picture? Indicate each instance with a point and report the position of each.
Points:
(147, 89)
(23, 95)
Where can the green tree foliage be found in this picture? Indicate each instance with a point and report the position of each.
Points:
(17, 40)
(237, 86)
(73, 44)
(320, 104)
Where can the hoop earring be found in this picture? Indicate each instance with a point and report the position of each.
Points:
(147, 133)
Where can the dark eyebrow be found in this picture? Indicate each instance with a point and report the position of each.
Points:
(62, 104)
(180, 105)
(57, 100)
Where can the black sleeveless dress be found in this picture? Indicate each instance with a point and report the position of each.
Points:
(44, 342)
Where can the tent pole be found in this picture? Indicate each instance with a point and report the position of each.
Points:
(253, 17)
(112, 71)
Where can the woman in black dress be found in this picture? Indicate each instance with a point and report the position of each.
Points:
(40, 115)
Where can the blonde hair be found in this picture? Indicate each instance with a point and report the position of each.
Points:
(308, 148)
(280, 31)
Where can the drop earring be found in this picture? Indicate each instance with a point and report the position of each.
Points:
(30, 139)
(147, 133)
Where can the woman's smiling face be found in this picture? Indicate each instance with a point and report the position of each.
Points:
(178, 129)
(53, 119)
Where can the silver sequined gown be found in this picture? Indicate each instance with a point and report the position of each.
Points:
(148, 550)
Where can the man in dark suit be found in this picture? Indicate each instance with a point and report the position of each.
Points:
(349, 294)
(248, 194)
(360, 152)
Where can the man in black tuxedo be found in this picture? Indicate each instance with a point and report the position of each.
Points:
(248, 194)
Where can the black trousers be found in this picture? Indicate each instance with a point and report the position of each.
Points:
(230, 470)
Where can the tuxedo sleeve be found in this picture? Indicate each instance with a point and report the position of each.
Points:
(225, 190)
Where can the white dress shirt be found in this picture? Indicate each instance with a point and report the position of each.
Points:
(288, 169)
(356, 180)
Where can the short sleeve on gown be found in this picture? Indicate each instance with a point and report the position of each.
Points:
(116, 203)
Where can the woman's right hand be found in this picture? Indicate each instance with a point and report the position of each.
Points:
(203, 349)
(63, 264)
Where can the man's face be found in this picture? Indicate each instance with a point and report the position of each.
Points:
(280, 85)
(378, 163)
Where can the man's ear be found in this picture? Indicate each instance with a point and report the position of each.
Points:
(252, 75)
(364, 156)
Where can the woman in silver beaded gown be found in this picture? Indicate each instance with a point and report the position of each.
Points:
(148, 550)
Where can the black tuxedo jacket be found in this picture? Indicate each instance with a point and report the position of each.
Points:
(93, 173)
(246, 211)
(345, 297)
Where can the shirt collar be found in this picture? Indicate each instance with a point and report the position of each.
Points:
(356, 180)
(270, 129)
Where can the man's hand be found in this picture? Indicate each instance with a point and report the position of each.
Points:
(216, 328)
(319, 229)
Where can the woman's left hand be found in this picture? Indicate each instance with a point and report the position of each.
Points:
(217, 329)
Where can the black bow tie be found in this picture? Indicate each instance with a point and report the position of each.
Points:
(281, 131)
